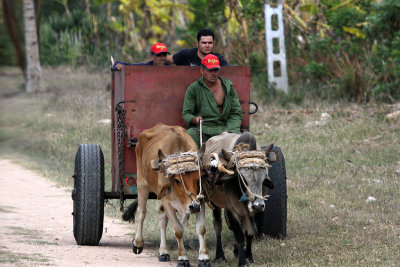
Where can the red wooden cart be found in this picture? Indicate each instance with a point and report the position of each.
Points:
(142, 96)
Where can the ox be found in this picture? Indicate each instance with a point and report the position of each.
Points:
(176, 185)
(240, 193)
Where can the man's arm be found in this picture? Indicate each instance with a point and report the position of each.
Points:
(189, 106)
(170, 59)
(118, 65)
(181, 57)
(222, 60)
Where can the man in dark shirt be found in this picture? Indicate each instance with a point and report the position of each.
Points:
(193, 56)
(158, 55)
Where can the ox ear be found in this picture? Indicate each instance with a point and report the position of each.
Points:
(161, 156)
(268, 183)
(165, 190)
(227, 155)
(271, 156)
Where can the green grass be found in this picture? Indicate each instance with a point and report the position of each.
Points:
(332, 169)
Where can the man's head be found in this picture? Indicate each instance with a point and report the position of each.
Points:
(205, 41)
(210, 68)
(158, 54)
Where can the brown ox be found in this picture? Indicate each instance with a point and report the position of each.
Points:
(177, 190)
(241, 194)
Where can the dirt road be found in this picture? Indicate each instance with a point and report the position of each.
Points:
(36, 227)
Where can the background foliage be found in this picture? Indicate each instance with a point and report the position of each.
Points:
(335, 49)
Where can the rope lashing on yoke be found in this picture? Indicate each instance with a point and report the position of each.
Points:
(181, 163)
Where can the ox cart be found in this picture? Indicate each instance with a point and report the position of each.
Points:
(142, 96)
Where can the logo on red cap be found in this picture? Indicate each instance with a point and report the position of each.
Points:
(210, 62)
(158, 48)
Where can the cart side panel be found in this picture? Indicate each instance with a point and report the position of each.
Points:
(156, 94)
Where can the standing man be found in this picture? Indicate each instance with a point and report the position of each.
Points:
(158, 55)
(193, 56)
(212, 99)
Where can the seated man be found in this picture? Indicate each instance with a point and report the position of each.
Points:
(193, 56)
(211, 99)
(158, 55)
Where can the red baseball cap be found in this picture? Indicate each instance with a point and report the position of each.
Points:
(210, 62)
(158, 48)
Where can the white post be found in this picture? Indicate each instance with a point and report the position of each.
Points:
(275, 41)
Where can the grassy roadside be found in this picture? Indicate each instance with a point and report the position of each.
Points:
(49, 127)
(343, 171)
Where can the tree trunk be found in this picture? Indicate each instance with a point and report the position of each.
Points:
(11, 23)
(34, 80)
(37, 14)
(87, 10)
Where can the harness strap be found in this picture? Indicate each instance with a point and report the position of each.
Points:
(201, 132)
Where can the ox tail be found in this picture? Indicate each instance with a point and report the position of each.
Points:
(129, 213)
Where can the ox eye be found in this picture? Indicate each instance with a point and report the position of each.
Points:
(177, 181)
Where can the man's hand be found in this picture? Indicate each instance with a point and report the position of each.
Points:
(196, 120)
(119, 66)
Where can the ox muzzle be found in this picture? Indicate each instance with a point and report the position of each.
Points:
(194, 207)
(257, 205)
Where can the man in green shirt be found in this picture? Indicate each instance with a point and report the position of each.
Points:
(213, 100)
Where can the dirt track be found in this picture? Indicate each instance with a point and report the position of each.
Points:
(36, 227)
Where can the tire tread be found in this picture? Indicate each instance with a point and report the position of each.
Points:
(89, 202)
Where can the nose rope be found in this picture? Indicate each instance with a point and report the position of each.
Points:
(188, 193)
(200, 195)
(248, 189)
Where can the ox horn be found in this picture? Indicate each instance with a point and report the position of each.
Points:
(221, 166)
(161, 156)
(226, 155)
(155, 164)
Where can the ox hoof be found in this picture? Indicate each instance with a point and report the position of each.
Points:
(205, 263)
(164, 258)
(136, 250)
(245, 264)
(183, 263)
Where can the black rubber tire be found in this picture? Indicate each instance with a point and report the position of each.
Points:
(274, 219)
(88, 195)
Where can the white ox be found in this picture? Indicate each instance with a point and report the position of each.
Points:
(240, 193)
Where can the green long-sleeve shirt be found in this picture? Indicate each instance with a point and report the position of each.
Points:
(200, 101)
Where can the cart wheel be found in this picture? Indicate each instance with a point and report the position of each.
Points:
(88, 195)
(272, 221)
